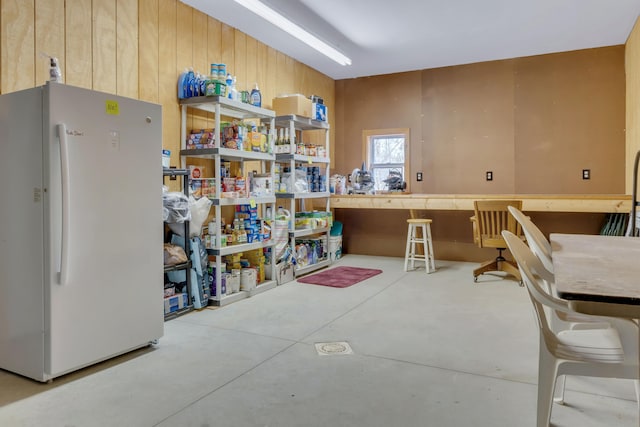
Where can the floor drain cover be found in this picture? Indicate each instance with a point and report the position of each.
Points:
(333, 348)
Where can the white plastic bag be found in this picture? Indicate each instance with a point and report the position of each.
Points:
(176, 207)
(199, 211)
(280, 232)
(199, 214)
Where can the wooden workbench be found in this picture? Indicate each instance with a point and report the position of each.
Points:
(592, 203)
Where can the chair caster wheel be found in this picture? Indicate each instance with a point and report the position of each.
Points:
(475, 279)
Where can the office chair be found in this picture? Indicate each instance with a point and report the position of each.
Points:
(490, 218)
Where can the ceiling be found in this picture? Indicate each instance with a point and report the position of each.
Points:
(384, 36)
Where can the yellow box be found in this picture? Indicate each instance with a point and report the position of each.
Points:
(292, 104)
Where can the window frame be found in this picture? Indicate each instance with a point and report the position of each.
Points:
(369, 134)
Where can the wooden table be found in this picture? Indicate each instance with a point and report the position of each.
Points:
(603, 203)
(598, 274)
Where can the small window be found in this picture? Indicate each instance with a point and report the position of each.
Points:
(387, 157)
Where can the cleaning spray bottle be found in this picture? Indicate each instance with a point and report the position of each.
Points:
(55, 75)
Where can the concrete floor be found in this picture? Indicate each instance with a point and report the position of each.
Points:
(429, 350)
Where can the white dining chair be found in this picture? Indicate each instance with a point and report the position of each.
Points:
(610, 352)
(535, 238)
(541, 248)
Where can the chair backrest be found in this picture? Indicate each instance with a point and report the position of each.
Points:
(540, 296)
(538, 243)
(491, 217)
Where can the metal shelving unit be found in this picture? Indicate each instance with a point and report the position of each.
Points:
(296, 125)
(186, 266)
(223, 107)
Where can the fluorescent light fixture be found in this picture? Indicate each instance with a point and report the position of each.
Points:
(283, 23)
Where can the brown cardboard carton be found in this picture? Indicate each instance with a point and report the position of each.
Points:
(292, 104)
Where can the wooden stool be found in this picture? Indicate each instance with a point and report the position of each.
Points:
(424, 239)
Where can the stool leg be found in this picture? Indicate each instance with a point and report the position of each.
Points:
(425, 248)
(412, 254)
(406, 252)
(430, 243)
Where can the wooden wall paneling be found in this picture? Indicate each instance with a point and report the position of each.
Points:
(337, 127)
(632, 134)
(148, 50)
(17, 40)
(78, 43)
(200, 40)
(251, 72)
(467, 128)
(49, 38)
(271, 89)
(301, 78)
(2, 48)
(261, 73)
(184, 33)
(168, 78)
(227, 46)
(569, 117)
(127, 60)
(214, 41)
(200, 61)
(185, 44)
(285, 75)
(104, 45)
(239, 68)
(214, 49)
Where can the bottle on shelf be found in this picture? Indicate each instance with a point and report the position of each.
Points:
(256, 97)
(182, 84)
(242, 233)
(210, 84)
(234, 90)
(230, 237)
(229, 82)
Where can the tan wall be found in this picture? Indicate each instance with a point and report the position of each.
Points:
(137, 49)
(632, 67)
(536, 122)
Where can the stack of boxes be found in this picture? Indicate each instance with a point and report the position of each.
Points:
(317, 181)
(234, 135)
(240, 271)
(200, 138)
(252, 224)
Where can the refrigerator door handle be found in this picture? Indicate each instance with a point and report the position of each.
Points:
(64, 169)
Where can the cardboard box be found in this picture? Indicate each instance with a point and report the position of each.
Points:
(175, 303)
(292, 104)
(319, 112)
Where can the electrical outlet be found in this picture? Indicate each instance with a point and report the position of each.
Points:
(419, 176)
(489, 176)
(586, 173)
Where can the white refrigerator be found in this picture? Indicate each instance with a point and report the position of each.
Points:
(81, 231)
